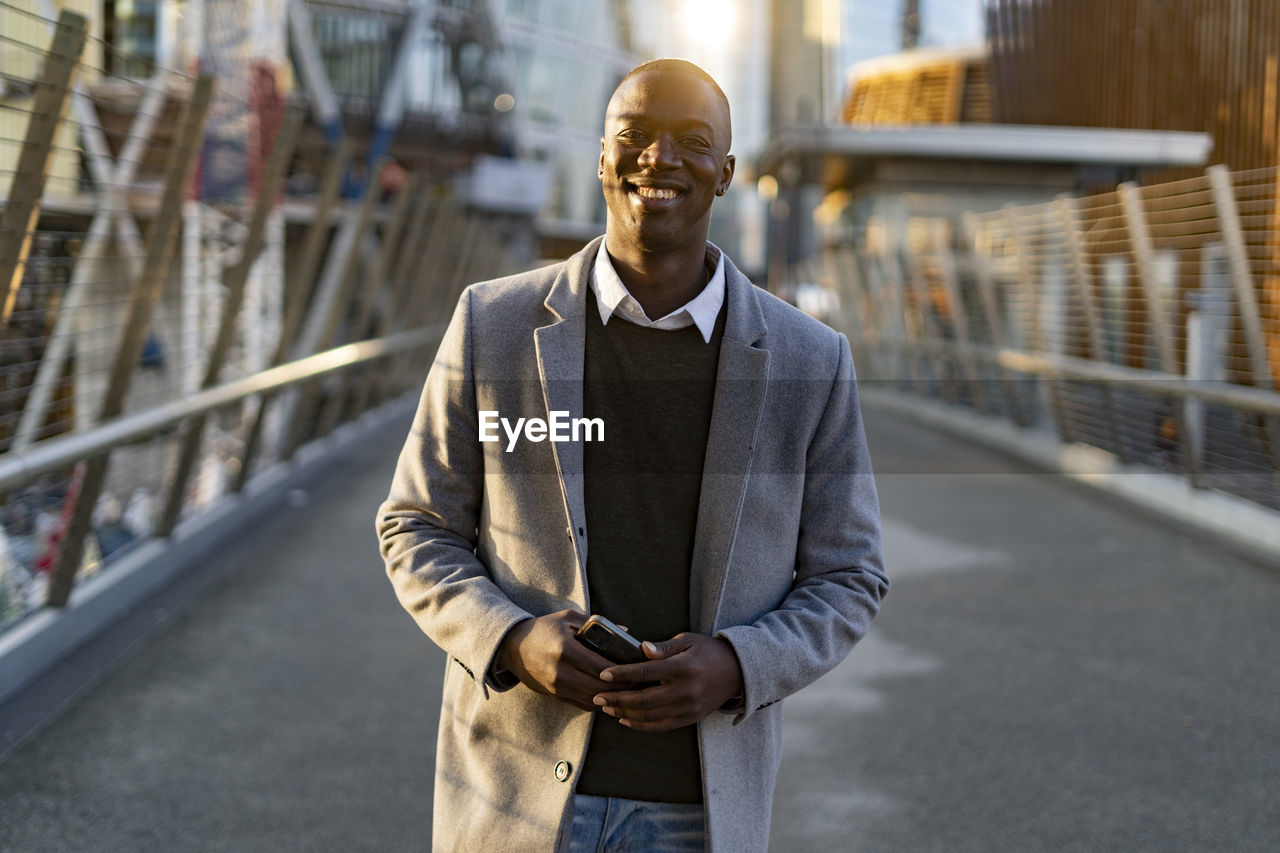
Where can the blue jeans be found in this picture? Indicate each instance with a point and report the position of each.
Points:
(615, 825)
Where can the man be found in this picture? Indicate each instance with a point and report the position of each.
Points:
(728, 518)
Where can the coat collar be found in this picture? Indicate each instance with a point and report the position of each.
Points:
(568, 295)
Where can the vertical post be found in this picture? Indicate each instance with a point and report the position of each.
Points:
(434, 221)
(394, 304)
(335, 403)
(802, 272)
(235, 281)
(830, 277)
(1224, 200)
(22, 207)
(891, 265)
(1144, 254)
(193, 275)
(1035, 321)
(939, 240)
(439, 265)
(300, 280)
(424, 233)
(297, 287)
(433, 306)
(991, 308)
(490, 262)
(1068, 220)
(844, 265)
(112, 181)
(437, 304)
(857, 326)
(463, 273)
(930, 329)
(464, 267)
(888, 319)
(345, 406)
(143, 296)
(338, 305)
(866, 314)
(776, 237)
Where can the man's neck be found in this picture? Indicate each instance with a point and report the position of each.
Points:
(662, 283)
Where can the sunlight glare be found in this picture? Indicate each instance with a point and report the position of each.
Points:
(710, 21)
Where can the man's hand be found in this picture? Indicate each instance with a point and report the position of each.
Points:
(543, 654)
(695, 675)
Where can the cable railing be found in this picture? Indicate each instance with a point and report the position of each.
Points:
(1142, 322)
(160, 349)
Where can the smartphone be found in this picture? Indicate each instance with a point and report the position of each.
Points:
(609, 641)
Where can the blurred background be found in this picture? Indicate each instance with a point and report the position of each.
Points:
(492, 108)
(232, 229)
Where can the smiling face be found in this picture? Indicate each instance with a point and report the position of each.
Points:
(664, 158)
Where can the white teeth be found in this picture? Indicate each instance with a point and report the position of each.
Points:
(655, 192)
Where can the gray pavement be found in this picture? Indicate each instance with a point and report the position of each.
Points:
(1050, 672)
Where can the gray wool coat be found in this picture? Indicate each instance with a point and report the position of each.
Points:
(787, 562)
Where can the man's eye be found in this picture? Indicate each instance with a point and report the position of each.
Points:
(695, 142)
(631, 136)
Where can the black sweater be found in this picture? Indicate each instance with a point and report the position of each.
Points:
(654, 389)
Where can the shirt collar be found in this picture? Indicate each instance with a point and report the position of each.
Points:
(613, 298)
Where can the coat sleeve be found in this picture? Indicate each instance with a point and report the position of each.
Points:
(839, 568)
(427, 526)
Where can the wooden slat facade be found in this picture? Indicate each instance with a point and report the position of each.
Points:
(1197, 65)
(933, 92)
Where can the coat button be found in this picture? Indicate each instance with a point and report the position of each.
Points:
(562, 771)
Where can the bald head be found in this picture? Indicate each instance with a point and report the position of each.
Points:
(675, 73)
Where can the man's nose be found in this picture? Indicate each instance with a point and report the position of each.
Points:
(661, 153)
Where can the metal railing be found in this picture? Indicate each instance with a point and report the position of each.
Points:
(19, 467)
(1142, 321)
(160, 350)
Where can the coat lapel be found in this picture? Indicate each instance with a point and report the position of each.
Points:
(560, 347)
(741, 378)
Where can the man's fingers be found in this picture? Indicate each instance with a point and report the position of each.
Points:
(660, 708)
(653, 709)
(580, 678)
(660, 727)
(543, 653)
(692, 676)
(639, 700)
(580, 657)
(661, 654)
(642, 673)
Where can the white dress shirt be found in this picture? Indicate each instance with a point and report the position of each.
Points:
(613, 299)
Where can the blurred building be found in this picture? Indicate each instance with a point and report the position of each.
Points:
(1203, 65)
(812, 45)
(919, 133)
(563, 59)
(814, 42)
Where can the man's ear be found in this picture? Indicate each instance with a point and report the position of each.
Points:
(600, 166)
(726, 174)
